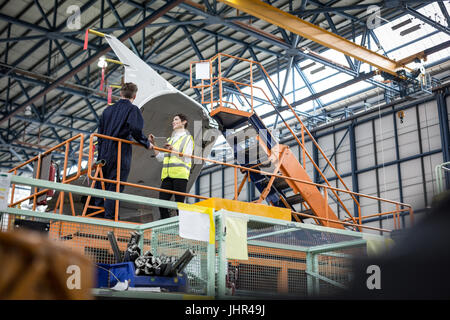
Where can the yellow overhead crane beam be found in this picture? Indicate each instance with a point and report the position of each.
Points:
(314, 33)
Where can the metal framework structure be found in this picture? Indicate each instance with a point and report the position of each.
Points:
(49, 87)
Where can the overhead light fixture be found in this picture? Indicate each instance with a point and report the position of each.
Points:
(401, 24)
(317, 70)
(378, 77)
(410, 30)
(102, 62)
(308, 66)
(28, 112)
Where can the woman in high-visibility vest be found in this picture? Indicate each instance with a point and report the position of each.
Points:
(176, 169)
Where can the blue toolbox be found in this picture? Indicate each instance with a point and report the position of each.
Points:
(107, 274)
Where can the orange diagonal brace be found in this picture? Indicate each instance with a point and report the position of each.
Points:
(312, 32)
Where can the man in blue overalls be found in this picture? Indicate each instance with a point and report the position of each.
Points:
(122, 120)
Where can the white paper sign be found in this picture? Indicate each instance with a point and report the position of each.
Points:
(194, 225)
(202, 70)
(5, 182)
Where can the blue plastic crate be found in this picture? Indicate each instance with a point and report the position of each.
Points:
(126, 271)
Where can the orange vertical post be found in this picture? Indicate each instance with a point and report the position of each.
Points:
(325, 194)
(38, 175)
(220, 80)
(66, 159)
(235, 184)
(303, 147)
(13, 188)
(211, 85)
(203, 92)
(119, 158)
(71, 204)
(251, 84)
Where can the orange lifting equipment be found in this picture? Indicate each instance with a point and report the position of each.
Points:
(312, 32)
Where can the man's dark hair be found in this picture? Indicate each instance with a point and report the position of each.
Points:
(182, 118)
(128, 90)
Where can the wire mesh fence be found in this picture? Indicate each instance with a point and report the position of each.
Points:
(88, 239)
(92, 241)
(282, 262)
(335, 270)
(165, 241)
(285, 259)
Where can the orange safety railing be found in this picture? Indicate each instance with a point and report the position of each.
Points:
(219, 80)
(237, 189)
(65, 179)
(119, 183)
(219, 103)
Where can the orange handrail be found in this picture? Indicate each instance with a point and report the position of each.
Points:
(381, 214)
(235, 166)
(38, 173)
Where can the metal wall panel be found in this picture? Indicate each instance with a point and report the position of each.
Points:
(385, 140)
(326, 143)
(412, 183)
(429, 124)
(430, 162)
(407, 134)
(345, 197)
(389, 186)
(448, 109)
(364, 146)
(204, 185)
(229, 183)
(343, 159)
(216, 184)
(309, 165)
(367, 185)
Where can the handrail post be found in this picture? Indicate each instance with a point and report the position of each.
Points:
(13, 188)
(91, 155)
(359, 215)
(66, 159)
(303, 147)
(235, 184)
(211, 85)
(203, 92)
(119, 158)
(38, 175)
(251, 84)
(325, 193)
(220, 80)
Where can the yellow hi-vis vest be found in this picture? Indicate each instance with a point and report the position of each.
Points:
(174, 165)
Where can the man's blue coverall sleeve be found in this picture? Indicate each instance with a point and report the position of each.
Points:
(135, 123)
(100, 131)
